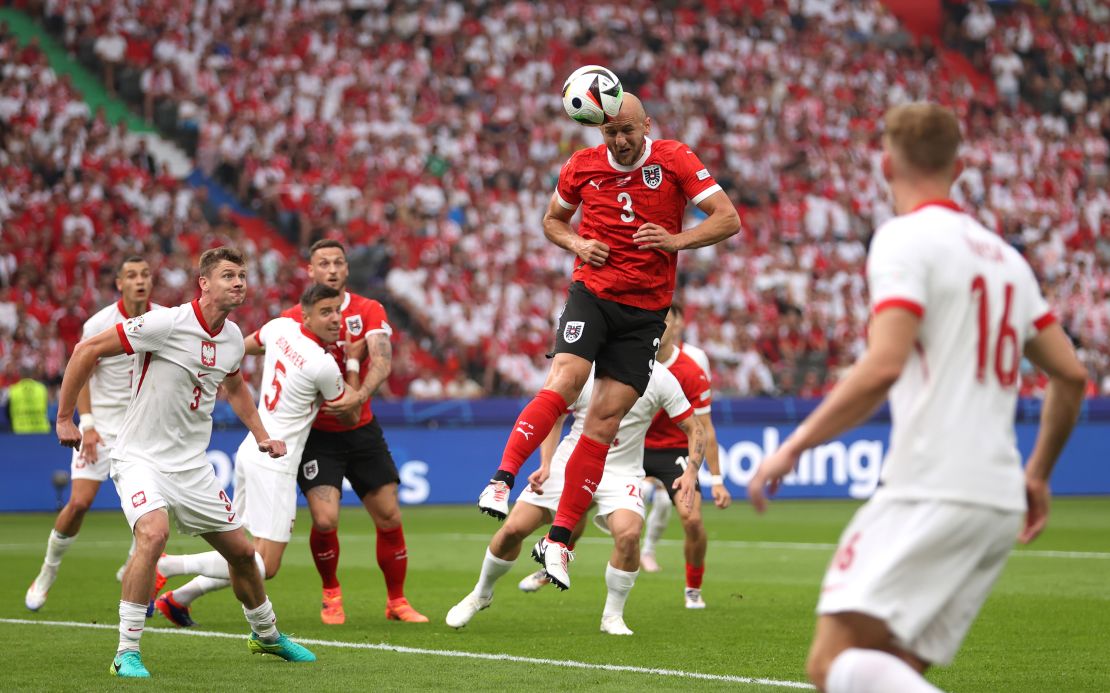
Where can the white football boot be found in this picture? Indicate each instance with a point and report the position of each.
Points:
(461, 613)
(36, 593)
(494, 500)
(534, 582)
(693, 599)
(555, 559)
(613, 624)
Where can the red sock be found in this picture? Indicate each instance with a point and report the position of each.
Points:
(693, 576)
(584, 470)
(533, 425)
(325, 552)
(393, 559)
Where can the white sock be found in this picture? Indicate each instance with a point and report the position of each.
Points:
(263, 621)
(857, 670)
(132, 620)
(209, 563)
(657, 520)
(619, 584)
(56, 547)
(198, 586)
(492, 570)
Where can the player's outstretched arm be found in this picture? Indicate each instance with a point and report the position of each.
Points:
(1052, 352)
(721, 497)
(239, 397)
(547, 451)
(851, 402)
(80, 367)
(253, 347)
(557, 229)
(685, 486)
(381, 365)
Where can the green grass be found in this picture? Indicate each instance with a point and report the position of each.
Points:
(1045, 627)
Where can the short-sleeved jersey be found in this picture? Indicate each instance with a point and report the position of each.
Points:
(626, 454)
(179, 365)
(663, 433)
(616, 200)
(952, 408)
(362, 317)
(299, 373)
(110, 382)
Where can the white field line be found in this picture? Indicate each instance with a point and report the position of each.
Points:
(673, 673)
(763, 545)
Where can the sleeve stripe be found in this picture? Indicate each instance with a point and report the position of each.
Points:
(563, 203)
(684, 415)
(123, 340)
(904, 303)
(705, 193)
(702, 411)
(1044, 321)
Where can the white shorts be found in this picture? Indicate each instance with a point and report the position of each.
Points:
(923, 567)
(199, 504)
(97, 471)
(265, 500)
(615, 492)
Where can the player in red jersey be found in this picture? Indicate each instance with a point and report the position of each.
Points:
(347, 441)
(633, 192)
(665, 453)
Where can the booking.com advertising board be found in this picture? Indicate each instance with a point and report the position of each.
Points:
(452, 464)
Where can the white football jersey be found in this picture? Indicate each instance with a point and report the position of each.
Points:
(702, 359)
(110, 382)
(626, 454)
(179, 365)
(298, 375)
(952, 409)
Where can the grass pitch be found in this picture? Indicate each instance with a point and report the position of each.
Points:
(1046, 626)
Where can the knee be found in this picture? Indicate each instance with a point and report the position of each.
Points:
(325, 521)
(79, 506)
(513, 533)
(627, 543)
(693, 526)
(388, 521)
(271, 571)
(152, 536)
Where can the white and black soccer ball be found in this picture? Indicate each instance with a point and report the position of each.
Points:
(592, 95)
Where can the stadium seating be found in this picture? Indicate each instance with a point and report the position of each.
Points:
(430, 137)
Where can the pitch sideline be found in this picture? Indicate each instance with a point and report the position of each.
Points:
(674, 673)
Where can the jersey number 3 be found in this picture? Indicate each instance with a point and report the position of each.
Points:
(627, 214)
(1007, 354)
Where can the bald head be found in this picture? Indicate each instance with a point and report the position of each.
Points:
(632, 109)
(626, 134)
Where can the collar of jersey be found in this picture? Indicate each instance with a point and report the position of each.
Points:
(123, 310)
(639, 162)
(200, 319)
(948, 204)
(312, 335)
(346, 300)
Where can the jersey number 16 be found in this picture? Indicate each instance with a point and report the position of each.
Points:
(1007, 354)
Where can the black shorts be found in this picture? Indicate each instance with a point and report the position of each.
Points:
(361, 455)
(619, 340)
(663, 465)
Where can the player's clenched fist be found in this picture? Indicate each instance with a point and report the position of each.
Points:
(68, 435)
(593, 252)
(655, 237)
(274, 448)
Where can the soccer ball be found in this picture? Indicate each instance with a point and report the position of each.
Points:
(592, 95)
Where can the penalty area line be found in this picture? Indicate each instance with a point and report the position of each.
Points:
(569, 664)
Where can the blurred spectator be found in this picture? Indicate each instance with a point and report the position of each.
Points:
(27, 405)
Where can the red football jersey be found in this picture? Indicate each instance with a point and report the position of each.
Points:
(361, 317)
(616, 200)
(663, 433)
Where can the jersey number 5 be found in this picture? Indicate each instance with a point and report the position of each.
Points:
(1007, 354)
(271, 404)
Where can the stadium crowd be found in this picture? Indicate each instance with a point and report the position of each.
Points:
(429, 135)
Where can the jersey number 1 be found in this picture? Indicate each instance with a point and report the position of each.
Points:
(1007, 355)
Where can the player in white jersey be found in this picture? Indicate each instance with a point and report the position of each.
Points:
(300, 373)
(954, 307)
(618, 499)
(159, 463)
(101, 405)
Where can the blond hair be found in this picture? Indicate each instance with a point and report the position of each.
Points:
(924, 136)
